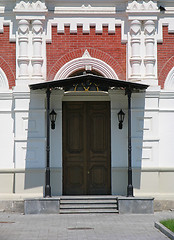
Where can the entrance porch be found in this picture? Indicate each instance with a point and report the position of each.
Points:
(78, 174)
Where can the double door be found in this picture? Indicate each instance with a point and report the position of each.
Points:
(86, 148)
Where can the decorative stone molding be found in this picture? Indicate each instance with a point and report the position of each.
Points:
(86, 62)
(135, 59)
(143, 51)
(142, 6)
(86, 22)
(23, 60)
(86, 54)
(85, 10)
(29, 7)
(37, 60)
(168, 21)
(2, 10)
(169, 10)
(149, 61)
(33, 66)
(23, 31)
(30, 63)
(149, 29)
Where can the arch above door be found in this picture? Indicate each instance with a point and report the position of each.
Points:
(86, 62)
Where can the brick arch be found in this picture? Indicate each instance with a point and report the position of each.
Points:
(8, 72)
(95, 53)
(165, 71)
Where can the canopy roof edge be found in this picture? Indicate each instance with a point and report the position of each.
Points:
(106, 82)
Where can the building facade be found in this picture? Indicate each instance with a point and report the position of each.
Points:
(52, 40)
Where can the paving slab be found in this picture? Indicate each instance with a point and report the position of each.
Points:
(15, 226)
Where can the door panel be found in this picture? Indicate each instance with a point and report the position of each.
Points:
(73, 148)
(74, 131)
(97, 133)
(86, 148)
(97, 183)
(99, 148)
(75, 179)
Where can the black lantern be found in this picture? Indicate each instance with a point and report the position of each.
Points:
(53, 116)
(121, 115)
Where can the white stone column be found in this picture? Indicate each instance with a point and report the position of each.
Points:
(37, 59)
(23, 40)
(135, 59)
(149, 60)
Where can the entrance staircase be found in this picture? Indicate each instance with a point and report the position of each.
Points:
(88, 204)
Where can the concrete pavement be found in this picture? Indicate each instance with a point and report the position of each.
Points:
(81, 226)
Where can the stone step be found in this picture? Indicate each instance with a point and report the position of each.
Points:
(89, 197)
(92, 201)
(88, 206)
(72, 211)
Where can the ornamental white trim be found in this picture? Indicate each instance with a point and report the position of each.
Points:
(3, 80)
(88, 63)
(37, 6)
(169, 83)
(85, 10)
(142, 6)
(166, 21)
(86, 23)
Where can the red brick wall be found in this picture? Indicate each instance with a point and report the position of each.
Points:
(165, 56)
(105, 46)
(8, 57)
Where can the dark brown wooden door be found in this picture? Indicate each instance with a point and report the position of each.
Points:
(86, 148)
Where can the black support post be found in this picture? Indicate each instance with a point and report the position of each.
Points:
(47, 173)
(130, 186)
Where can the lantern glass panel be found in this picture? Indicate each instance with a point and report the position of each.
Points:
(53, 116)
(121, 115)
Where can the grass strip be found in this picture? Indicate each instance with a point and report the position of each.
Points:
(168, 224)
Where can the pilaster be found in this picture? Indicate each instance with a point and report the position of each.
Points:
(23, 40)
(37, 60)
(149, 59)
(142, 41)
(135, 59)
(30, 47)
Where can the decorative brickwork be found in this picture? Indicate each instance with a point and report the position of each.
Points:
(165, 56)
(106, 47)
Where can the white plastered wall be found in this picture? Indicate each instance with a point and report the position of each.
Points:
(30, 142)
(56, 144)
(152, 167)
(6, 136)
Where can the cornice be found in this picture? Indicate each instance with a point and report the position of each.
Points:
(85, 10)
(6, 95)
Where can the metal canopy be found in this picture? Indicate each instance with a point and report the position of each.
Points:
(103, 83)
